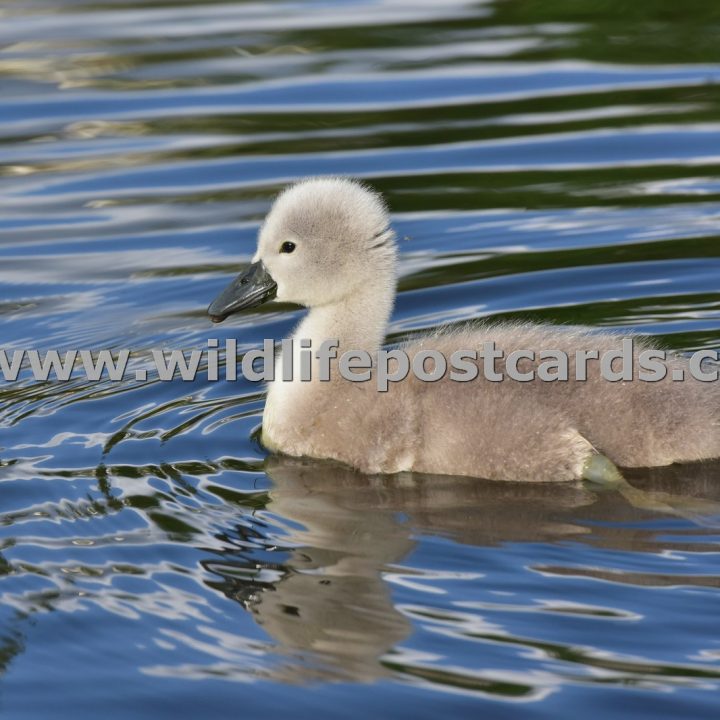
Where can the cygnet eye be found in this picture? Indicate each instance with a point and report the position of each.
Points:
(287, 247)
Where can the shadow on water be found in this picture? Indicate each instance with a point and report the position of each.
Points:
(327, 602)
(340, 571)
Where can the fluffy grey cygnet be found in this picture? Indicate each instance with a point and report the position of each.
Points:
(327, 244)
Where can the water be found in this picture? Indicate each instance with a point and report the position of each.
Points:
(555, 161)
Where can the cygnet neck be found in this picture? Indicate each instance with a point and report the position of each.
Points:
(358, 321)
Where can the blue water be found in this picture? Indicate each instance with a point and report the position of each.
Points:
(554, 161)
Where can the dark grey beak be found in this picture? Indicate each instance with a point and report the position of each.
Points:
(249, 289)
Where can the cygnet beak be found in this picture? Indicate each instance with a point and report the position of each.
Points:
(249, 289)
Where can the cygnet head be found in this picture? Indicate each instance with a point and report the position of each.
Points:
(323, 241)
